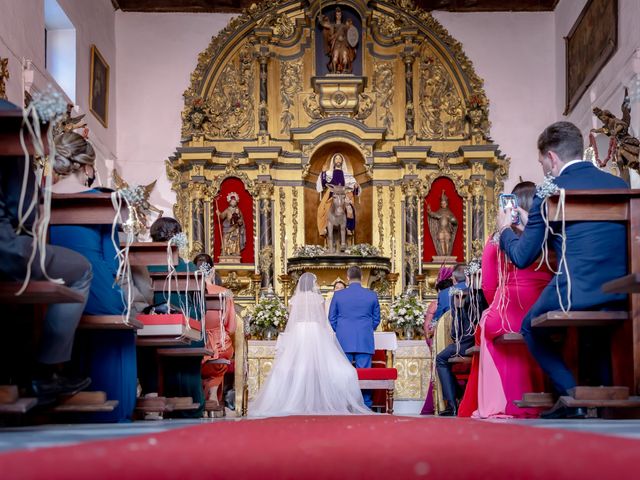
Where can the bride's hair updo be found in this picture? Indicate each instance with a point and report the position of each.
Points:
(72, 152)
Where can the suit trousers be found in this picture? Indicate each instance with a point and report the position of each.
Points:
(61, 319)
(445, 375)
(362, 360)
(593, 344)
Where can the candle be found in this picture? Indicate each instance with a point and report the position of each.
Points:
(256, 249)
(393, 254)
(285, 255)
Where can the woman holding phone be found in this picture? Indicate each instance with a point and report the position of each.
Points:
(506, 371)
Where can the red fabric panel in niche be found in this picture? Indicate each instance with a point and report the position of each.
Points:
(233, 184)
(456, 206)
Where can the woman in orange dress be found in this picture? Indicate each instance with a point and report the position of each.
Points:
(219, 326)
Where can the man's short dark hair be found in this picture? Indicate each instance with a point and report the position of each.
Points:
(203, 258)
(458, 273)
(164, 229)
(354, 273)
(563, 138)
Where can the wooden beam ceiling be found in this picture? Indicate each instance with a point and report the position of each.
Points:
(236, 6)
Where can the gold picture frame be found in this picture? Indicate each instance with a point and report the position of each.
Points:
(99, 87)
(592, 41)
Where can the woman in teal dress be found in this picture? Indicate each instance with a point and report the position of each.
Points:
(107, 356)
(181, 374)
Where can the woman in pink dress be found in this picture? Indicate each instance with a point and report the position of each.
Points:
(507, 371)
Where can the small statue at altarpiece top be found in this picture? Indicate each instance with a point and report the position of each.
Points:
(443, 226)
(234, 237)
(340, 42)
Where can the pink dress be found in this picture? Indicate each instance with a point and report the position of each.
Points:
(507, 371)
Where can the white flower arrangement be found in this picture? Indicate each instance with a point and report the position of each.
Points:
(547, 188)
(50, 104)
(359, 250)
(269, 312)
(407, 311)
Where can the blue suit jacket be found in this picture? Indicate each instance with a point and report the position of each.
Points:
(444, 303)
(354, 315)
(596, 251)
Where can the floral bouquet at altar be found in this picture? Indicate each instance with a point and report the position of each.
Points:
(406, 316)
(359, 250)
(268, 317)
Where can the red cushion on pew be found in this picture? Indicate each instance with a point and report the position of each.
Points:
(377, 373)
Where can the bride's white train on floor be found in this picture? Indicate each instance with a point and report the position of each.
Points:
(310, 375)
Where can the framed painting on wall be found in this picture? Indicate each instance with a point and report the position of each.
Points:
(592, 41)
(99, 87)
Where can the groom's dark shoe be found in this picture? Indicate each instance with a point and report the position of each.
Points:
(449, 412)
(561, 411)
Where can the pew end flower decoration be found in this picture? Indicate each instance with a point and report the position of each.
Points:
(137, 198)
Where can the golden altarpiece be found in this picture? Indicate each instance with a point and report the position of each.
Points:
(268, 107)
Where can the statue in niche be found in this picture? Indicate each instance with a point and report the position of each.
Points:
(340, 42)
(234, 237)
(337, 175)
(443, 226)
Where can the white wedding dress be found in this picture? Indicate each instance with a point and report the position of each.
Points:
(310, 374)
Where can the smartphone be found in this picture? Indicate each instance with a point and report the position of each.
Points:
(510, 200)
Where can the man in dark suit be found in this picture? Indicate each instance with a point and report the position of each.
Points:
(354, 315)
(61, 319)
(462, 336)
(596, 252)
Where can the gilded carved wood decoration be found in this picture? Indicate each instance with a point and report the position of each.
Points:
(257, 109)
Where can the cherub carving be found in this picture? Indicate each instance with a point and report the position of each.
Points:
(138, 199)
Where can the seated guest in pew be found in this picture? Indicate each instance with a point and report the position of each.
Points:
(181, 374)
(462, 335)
(505, 372)
(596, 252)
(443, 295)
(219, 331)
(444, 281)
(61, 319)
(108, 355)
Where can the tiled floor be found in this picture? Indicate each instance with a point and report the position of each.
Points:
(58, 435)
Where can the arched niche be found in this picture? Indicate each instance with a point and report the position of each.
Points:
(456, 205)
(364, 205)
(220, 202)
(348, 13)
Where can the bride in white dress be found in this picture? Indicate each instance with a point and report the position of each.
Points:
(310, 375)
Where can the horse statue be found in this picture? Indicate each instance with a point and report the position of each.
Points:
(337, 217)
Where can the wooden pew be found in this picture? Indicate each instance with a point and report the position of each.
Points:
(151, 253)
(183, 281)
(510, 338)
(622, 205)
(84, 209)
(109, 322)
(10, 125)
(38, 292)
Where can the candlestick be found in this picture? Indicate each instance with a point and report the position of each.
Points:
(285, 255)
(256, 247)
(393, 254)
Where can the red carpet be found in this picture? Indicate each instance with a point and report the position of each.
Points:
(379, 447)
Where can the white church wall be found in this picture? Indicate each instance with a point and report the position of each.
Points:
(514, 54)
(622, 69)
(22, 36)
(156, 53)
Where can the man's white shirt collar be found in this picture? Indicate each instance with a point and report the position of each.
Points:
(568, 164)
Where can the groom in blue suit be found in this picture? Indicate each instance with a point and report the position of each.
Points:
(596, 252)
(354, 315)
